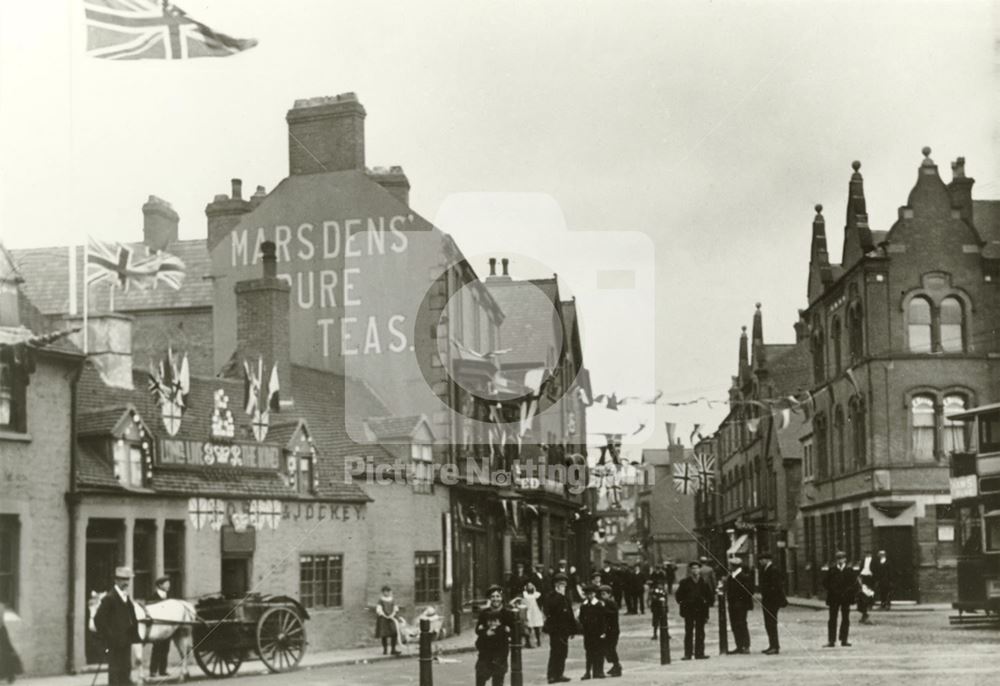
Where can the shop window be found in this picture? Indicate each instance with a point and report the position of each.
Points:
(10, 544)
(969, 531)
(321, 580)
(918, 325)
(922, 420)
(952, 318)
(427, 577)
(954, 433)
(991, 523)
(173, 556)
(989, 432)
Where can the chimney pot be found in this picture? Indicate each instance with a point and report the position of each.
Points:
(269, 258)
(505, 262)
(493, 266)
(326, 134)
(159, 224)
(237, 189)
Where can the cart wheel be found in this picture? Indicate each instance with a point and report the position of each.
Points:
(281, 639)
(218, 663)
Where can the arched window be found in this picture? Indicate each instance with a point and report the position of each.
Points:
(918, 325)
(952, 325)
(954, 433)
(922, 421)
(819, 368)
(859, 431)
(838, 437)
(835, 338)
(856, 338)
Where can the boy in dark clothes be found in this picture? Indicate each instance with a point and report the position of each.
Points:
(593, 620)
(658, 604)
(492, 644)
(611, 632)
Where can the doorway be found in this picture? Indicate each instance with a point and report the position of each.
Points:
(897, 542)
(235, 575)
(104, 552)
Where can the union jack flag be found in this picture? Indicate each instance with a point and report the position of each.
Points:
(685, 480)
(704, 466)
(122, 266)
(152, 29)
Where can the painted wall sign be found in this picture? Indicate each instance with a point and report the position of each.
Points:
(309, 511)
(235, 454)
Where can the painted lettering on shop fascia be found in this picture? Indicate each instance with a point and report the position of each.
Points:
(335, 288)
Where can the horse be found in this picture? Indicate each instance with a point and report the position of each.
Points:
(164, 620)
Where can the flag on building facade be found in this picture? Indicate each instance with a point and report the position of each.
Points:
(170, 383)
(704, 466)
(152, 29)
(685, 480)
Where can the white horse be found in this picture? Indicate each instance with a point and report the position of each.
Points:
(165, 620)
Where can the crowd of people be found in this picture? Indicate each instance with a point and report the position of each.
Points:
(563, 606)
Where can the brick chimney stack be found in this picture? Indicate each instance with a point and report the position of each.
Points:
(326, 134)
(224, 213)
(961, 189)
(262, 326)
(159, 224)
(394, 180)
(504, 276)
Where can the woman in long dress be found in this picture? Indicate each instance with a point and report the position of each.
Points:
(385, 621)
(535, 619)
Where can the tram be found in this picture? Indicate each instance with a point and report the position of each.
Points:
(975, 495)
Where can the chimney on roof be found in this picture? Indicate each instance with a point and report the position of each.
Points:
(159, 224)
(224, 213)
(493, 266)
(262, 325)
(505, 262)
(503, 276)
(258, 196)
(109, 342)
(960, 189)
(326, 134)
(394, 180)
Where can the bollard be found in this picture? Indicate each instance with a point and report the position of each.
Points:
(723, 629)
(664, 639)
(426, 659)
(516, 675)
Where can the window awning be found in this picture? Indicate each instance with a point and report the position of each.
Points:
(740, 545)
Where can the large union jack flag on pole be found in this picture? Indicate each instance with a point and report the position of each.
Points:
(152, 29)
(685, 480)
(704, 466)
(122, 266)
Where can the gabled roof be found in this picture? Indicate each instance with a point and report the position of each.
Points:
(46, 280)
(528, 326)
(986, 217)
(397, 427)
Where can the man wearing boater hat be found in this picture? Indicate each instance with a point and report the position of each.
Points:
(116, 624)
(161, 649)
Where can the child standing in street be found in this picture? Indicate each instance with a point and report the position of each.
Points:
(658, 605)
(611, 632)
(492, 646)
(386, 611)
(535, 618)
(593, 621)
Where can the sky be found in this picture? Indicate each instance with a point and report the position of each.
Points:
(683, 142)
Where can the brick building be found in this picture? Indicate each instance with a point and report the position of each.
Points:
(38, 384)
(666, 516)
(900, 337)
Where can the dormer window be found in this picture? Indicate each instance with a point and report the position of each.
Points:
(128, 463)
(422, 458)
(13, 381)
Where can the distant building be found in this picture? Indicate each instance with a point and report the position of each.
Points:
(666, 516)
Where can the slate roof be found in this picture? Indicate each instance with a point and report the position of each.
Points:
(986, 217)
(527, 327)
(94, 471)
(46, 280)
(394, 427)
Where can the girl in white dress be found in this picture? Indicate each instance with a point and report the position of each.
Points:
(535, 618)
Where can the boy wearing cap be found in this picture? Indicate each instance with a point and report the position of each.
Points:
(593, 621)
(611, 632)
(161, 649)
(658, 604)
(116, 624)
(841, 584)
(492, 646)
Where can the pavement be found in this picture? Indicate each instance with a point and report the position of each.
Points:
(911, 642)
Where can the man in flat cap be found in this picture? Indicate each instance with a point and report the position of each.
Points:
(494, 629)
(694, 597)
(772, 599)
(612, 630)
(739, 600)
(116, 624)
(560, 625)
(593, 622)
(841, 584)
(161, 649)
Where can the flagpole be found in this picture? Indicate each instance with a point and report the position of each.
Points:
(86, 293)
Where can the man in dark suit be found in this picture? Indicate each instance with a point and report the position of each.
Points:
(538, 578)
(841, 584)
(739, 600)
(161, 649)
(882, 576)
(593, 624)
(639, 579)
(694, 597)
(116, 624)
(560, 625)
(772, 599)
(516, 581)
